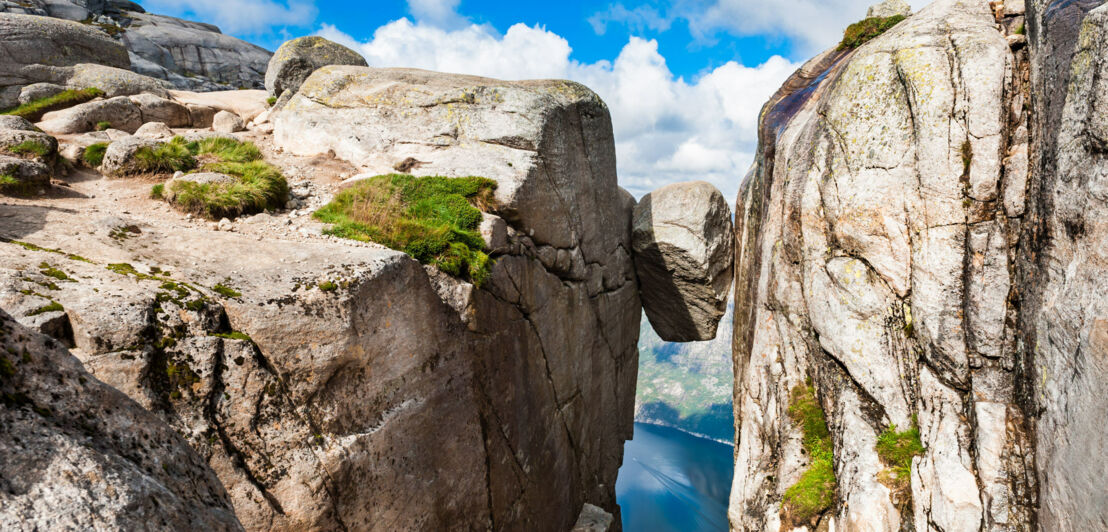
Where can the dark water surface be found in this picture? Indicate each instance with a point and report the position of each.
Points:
(672, 481)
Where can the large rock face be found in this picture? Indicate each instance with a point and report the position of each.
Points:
(36, 49)
(79, 455)
(1064, 271)
(190, 55)
(554, 331)
(295, 60)
(877, 235)
(682, 238)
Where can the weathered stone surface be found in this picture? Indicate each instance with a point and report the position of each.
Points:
(113, 81)
(227, 122)
(15, 122)
(682, 241)
(295, 60)
(1063, 277)
(34, 48)
(168, 112)
(193, 55)
(27, 172)
(120, 112)
(154, 130)
(592, 519)
(77, 454)
(873, 257)
(12, 138)
(37, 91)
(889, 8)
(119, 157)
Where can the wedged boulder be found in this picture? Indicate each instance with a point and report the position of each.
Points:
(36, 49)
(155, 109)
(120, 155)
(227, 122)
(682, 241)
(120, 112)
(76, 454)
(154, 130)
(248, 104)
(295, 60)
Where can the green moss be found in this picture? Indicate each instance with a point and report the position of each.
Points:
(271, 100)
(33, 111)
(46, 269)
(11, 185)
(7, 370)
(815, 491)
(1022, 30)
(226, 291)
(54, 306)
(897, 449)
(103, 125)
(328, 286)
(167, 157)
(180, 375)
(434, 219)
(234, 335)
(196, 305)
(30, 147)
(32, 247)
(122, 268)
(94, 154)
(863, 31)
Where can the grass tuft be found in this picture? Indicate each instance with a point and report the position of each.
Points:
(94, 154)
(11, 185)
(168, 157)
(54, 306)
(103, 125)
(30, 147)
(271, 100)
(815, 491)
(226, 291)
(157, 191)
(33, 111)
(896, 449)
(863, 31)
(433, 219)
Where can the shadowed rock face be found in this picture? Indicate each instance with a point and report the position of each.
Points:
(681, 235)
(876, 240)
(1063, 273)
(79, 455)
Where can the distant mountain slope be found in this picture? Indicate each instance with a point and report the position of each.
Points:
(687, 386)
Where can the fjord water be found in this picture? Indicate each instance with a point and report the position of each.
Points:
(672, 481)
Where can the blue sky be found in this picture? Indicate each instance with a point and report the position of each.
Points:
(684, 79)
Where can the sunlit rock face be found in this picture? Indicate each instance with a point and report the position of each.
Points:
(877, 237)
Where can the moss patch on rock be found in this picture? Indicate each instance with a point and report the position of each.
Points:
(434, 219)
(94, 154)
(896, 449)
(33, 111)
(815, 491)
(865, 30)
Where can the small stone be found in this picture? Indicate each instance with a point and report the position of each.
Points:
(225, 225)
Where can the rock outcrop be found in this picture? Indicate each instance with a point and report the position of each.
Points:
(1063, 274)
(295, 60)
(77, 454)
(190, 55)
(877, 240)
(681, 238)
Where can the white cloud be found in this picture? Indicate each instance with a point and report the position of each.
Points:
(240, 16)
(667, 129)
(441, 13)
(813, 25)
(639, 19)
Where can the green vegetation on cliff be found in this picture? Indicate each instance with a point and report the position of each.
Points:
(434, 219)
(897, 448)
(33, 111)
(863, 31)
(815, 490)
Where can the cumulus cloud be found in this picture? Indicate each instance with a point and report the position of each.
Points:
(240, 16)
(812, 25)
(441, 13)
(667, 128)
